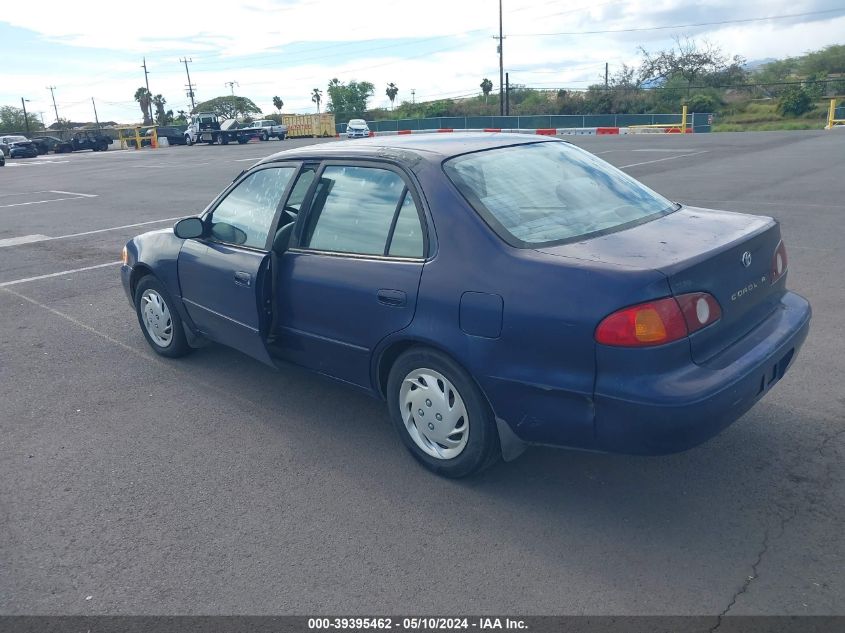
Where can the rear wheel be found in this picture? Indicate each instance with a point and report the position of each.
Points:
(440, 414)
(159, 319)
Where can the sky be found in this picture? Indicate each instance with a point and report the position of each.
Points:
(437, 48)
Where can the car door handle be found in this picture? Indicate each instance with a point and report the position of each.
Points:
(243, 278)
(393, 298)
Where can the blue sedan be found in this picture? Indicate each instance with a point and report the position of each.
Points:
(496, 290)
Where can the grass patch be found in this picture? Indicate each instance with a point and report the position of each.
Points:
(768, 126)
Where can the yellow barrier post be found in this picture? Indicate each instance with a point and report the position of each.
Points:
(831, 114)
(154, 140)
(684, 119)
(137, 138)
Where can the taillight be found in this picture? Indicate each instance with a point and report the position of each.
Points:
(658, 322)
(779, 263)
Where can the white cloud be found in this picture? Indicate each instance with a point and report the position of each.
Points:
(273, 33)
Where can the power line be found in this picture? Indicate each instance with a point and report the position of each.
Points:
(682, 26)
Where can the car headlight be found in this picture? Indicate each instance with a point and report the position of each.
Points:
(124, 255)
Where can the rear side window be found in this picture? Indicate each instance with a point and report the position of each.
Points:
(407, 240)
(546, 193)
(353, 211)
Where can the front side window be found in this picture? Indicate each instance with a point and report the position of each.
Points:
(353, 210)
(551, 192)
(246, 213)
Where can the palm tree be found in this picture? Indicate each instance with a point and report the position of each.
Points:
(317, 97)
(486, 87)
(145, 99)
(391, 92)
(278, 103)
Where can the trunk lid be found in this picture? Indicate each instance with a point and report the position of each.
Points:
(701, 250)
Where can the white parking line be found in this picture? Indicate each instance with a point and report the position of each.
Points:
(658, 160)
(15, 282)
(31, 239)
(73, 193)
(23, 239)
(24, 204)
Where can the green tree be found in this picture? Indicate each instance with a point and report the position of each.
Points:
(181, 117)
(12, 120)
(391, 92)
(162, 116)
(794, 101)
(688, 60)
(227, 106)
(278, 103)
(486, 87)
(144, 99)
(317, 97)
(349, 100)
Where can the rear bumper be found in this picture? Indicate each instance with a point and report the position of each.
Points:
(671, 412)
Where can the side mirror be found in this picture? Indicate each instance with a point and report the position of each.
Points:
(189, 228)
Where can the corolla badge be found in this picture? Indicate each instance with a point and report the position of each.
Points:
(746, 259)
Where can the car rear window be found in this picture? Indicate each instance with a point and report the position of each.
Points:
(551, 192)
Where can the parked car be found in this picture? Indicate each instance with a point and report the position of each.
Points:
(46, 144)
(2, 159)
(497, 290)
(357, 128)
(173, 135)
(89, 139)
(23, 149)
(269, 129)
(6, 141)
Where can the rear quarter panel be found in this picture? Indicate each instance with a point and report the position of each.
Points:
(539, 373)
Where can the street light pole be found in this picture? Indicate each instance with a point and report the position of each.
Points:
(501, 66)
(25, 118)
(232, 85)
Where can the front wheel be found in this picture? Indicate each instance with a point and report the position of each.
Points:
(159, 319)
(440, 414)
(265, 137)
(188, 140)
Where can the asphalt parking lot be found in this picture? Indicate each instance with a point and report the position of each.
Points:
(212, 485)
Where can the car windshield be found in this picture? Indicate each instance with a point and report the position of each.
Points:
(551, 192)
(15, 139)
(357, 123)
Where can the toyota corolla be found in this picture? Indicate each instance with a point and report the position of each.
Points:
(496, 290)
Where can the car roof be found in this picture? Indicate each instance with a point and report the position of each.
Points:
(410, 148)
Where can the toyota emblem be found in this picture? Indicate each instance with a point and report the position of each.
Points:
(746, 259)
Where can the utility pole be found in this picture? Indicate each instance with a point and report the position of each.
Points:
(501, 64)
(190, 85)
(150, 94)
(605, 75)
(53, 94)
(232, 85)
(507, 94)
(413, 93)
(25, 118)
(95, 114)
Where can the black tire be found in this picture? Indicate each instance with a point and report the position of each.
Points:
(178, 344)
(482, 447)
(188, 140)
(265, 137)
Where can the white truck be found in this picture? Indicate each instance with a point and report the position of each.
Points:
(206, 127)
(268, 129)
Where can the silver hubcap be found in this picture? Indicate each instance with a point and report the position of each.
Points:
(156, 316)
(434, 413)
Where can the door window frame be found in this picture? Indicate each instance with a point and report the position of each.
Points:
(305, 213)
